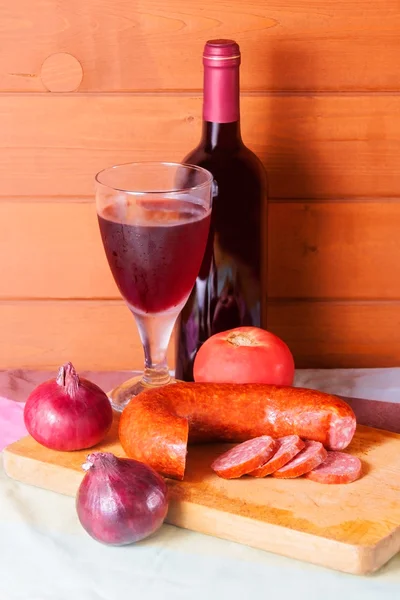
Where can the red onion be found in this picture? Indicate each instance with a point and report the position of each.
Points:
(120, 500)
(68, 413)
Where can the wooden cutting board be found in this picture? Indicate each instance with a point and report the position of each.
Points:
(353, 528)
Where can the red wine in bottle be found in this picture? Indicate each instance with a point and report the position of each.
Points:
(229, 289)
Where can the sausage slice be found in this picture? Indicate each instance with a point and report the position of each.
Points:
(287, 448)
(312, 455)
(338, 467)
(245, 457)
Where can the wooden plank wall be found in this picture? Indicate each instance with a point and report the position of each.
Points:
(88, 84)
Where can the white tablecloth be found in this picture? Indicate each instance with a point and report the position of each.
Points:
(45, 554)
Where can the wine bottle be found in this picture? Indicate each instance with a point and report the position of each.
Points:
(228, 291)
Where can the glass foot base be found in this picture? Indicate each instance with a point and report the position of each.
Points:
(121, 395)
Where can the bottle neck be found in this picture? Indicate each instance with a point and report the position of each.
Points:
(221, 135)
(221, 110)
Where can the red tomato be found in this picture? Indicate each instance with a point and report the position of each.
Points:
(244, 355)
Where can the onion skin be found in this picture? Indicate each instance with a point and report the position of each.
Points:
(68, 413)
(120, 500)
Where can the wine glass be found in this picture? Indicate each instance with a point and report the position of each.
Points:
(154, 220)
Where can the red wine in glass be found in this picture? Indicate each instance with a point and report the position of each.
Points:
(155, 256)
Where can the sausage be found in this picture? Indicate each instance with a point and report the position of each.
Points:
(338, 467)
(287, 448)
(156, 426)
(244, 457)
(312, 455)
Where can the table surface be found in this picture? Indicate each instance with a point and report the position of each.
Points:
(45, 554)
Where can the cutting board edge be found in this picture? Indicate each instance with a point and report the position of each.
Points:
(17, 467)
(384, 550)
(287, 542)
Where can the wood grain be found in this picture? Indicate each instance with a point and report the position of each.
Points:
(56, 251)
(101, 335)
(334, 251)
(331, 526)
(313, 146)
(148, 45)
(339, 334)
(47, 334)
(316, 250)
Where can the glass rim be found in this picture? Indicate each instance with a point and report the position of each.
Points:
(207, 182)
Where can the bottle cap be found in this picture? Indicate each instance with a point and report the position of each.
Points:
(221, 53)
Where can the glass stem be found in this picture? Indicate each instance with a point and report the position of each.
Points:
(155, 333)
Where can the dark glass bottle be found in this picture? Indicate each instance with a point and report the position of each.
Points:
(229, 289)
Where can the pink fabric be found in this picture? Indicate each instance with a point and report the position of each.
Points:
(12, 426)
